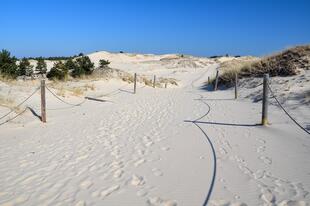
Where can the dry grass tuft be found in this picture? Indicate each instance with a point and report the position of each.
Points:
(77, 91)
(89, 87)
(9, 103)
(286, 63)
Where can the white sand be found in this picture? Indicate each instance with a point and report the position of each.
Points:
(141, 150)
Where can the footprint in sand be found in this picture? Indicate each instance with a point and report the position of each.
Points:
(267, 196)
(157, 172)
(245, 170)
(86, 184)
(80, 203)
(293, 203)
(158, 201)
(137, 180)
(260, 140)
(142, 193)
(139, 162)
(109, 191)
(259, 174)
(260, 149)
(222, 151)
(118, 173)
(266, 160)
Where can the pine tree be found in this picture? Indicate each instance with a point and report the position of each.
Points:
(58, 71)
(25, 68)
(103, 63)
(84, 67)
(8, 65)
(41, 67)
(70, 64)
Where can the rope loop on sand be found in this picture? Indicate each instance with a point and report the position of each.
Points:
(12, 110)
(281, 106)
(63, 101)
(26, 99)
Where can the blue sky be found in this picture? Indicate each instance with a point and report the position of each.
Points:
(197, 27)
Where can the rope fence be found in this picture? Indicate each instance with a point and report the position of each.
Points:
(285, 111)
(63, 101)
(42, 87)
(265, 99)
(25, 100)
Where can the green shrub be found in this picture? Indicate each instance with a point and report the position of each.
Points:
(41, 67)
(58, 71)
(103, 63)
(8, 67)
(70, 64)
(83, 67)
(24, 68)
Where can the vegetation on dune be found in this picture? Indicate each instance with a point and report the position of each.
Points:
(58, 71)
(103, 63)
(285, 63)
(41, 67)
(57, 58)
(79, 67)
(84, 66)
(8, 66)
(25, 68)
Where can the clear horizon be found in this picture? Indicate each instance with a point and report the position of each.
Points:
(199, 28)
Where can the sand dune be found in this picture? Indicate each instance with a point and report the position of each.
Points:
(144, 148)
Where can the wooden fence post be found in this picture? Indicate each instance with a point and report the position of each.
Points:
(265, 100)
(154, 81)
(236, 86)
(135, 84)
(216, 80)
(43, 102)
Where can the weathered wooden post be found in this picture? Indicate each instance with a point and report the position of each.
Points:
(236, 86)
(216, 80)
(265, 100)
(43, 102)
(154, 81)
(135, 84)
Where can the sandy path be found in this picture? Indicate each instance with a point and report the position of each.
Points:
(130, 152)
(256, 165)
(143, 150)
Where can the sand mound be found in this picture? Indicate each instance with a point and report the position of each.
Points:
(287, 63)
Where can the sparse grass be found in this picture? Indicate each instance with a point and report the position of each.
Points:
(61, 91)
(170, 81)
(147, 81)
(286, 63)
(9, 103)
(77, 91)
(89, 86)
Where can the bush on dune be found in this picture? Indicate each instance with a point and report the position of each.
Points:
(41, 67)
(24, 68)
(286, 63)
(84, 66)
(103, 63)
(58, 72)
(8, 67)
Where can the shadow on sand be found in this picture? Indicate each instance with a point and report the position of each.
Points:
(130, 92)
(225, 124)
(34, 113)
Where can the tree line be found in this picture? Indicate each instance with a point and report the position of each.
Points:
(61, 70)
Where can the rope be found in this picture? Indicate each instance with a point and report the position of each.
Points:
(274, 96)
(14, 117)
(74, 105)
(21, 103)
(196, 123)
